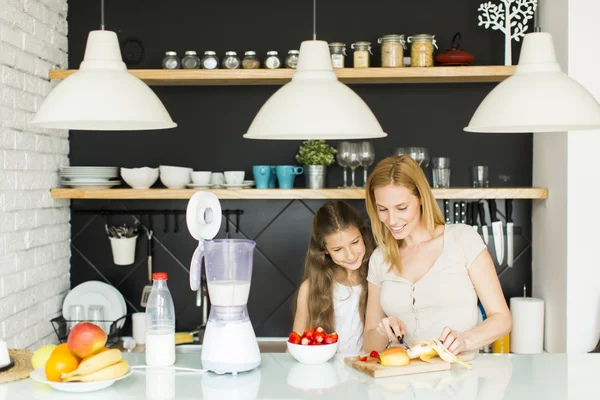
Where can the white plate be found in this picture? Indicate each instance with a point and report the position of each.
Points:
(237, 185)
(90, 185)
(198, 186)
(90, 179)
(97, 293)
(39, 375)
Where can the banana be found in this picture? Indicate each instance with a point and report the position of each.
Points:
(426, 349)
(113, 371)
(95, 363)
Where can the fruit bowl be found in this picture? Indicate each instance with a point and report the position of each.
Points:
(39, 375)
(312, 354)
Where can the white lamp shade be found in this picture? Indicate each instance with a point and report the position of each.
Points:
(102, 95)
(314, 104)
(538, 97)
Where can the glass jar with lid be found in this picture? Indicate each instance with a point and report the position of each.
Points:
(190, 60)
(421, 50)
(291, 61)
(338, 54)
(392, 50)
(272, 61)
(210, 60)
(171, 60)
(231, 60)
(362, 50)
(251, 60)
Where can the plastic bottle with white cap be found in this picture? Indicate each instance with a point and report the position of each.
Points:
(160, 324)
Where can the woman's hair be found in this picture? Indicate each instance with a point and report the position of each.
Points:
(400, 171)
(319, 268)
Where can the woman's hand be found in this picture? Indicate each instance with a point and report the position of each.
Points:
(453, 341)
(391, 328)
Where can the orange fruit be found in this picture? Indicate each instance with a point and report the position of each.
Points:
(60, 362)
(61, 348)
(92, 355)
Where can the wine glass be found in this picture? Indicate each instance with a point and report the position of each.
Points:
(343, 156)
(354, 161)
(420, 155)
(366, 157)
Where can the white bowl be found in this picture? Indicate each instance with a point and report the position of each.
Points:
(201, 177)
(175, 177)
(140, 178)
(312, 354)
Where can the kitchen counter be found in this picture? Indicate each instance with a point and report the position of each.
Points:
(493, 376)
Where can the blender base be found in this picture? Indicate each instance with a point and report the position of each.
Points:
(230, 347)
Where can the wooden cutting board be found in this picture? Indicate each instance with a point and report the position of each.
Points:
(372, 367)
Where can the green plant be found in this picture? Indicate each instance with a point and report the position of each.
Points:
(316, 152)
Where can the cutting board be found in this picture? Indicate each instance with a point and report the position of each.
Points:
(372, 367)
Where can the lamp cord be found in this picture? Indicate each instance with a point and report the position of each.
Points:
(102, 15)
(314, 19)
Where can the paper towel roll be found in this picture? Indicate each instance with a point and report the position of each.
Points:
(527, 335)
(203, 215)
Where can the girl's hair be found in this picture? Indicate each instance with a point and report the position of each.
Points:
(319, 268)
(400, 171)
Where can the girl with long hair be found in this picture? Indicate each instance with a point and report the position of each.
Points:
(425, 277)
(333, 294)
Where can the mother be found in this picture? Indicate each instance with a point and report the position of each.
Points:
(425, 276)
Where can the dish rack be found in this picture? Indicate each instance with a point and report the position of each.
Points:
(61, 328)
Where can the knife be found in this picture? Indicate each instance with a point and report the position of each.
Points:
(401, 340)
(509, 234)
(469, 219)
(484, 227)
(456, 212)
(463, 212)
(474, 223)
(447, 211)
(497, 231)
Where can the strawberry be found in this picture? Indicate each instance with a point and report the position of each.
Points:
(334, 337)
(318, 329)
(295, 338)
(308, 334)
(319, 337)
(328, 340)
(362, 358)
(374, 354)
(305, 341)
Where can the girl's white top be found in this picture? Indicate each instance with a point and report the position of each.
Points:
(348, 325)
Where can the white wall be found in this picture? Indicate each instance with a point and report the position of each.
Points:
(34, 229)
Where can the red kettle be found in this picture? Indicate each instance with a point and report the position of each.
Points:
(454, 55)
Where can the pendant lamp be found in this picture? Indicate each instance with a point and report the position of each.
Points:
(314, 104)
(538, 97)
(102, 95)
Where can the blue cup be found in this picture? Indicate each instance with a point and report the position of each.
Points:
(264, 176)
(286, 175)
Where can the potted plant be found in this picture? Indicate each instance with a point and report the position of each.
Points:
(316, 156)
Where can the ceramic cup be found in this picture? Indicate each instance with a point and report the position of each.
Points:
(217, 178)
(234, 177)
(201, 177)
(286, 174)
(264, 176)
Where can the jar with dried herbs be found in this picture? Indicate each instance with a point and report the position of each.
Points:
(191, 60)
(210, 60)
(231, 60)
(171, 61)
(392, 50)
(251, 60)
(272, 60)
(338, 54)
(421, 50)
(361, 54)
(291, 61)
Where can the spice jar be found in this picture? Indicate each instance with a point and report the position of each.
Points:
(191, 60)
(392, 50)
(210, 60)
(291, 61)
(361, 54)
(338, 54)
(231, 60)
(251, 60)
(272, 60)
(421, 50)
(171, 61)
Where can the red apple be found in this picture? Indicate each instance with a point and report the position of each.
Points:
(86, 339)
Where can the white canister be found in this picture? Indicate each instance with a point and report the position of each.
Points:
(123, 250)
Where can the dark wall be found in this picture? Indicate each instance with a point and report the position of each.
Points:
(211, 121)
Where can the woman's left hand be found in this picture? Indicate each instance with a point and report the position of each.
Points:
(453, 341)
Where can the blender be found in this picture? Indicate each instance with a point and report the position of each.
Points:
(229, 344)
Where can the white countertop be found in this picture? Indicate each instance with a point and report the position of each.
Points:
(509, 376)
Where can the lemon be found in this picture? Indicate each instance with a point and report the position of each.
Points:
(41, 356)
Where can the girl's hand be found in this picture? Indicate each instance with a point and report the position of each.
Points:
(391, 328)
(453, 341)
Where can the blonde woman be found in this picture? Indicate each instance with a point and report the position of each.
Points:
(425, 277)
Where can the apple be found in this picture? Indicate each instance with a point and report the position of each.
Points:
(86, 339)
(396, 356)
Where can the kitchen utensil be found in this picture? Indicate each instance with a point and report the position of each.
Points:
(373, 368)
(96, 292)
(463, 212)
(456, 212)
(454, 55)
(484, 227)
(469, 219)
(509, 233)
(401, 341)
(497, 231)
(447, 211)
(474, 211)
(148, 288)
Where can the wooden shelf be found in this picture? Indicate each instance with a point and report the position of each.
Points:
(273, 194)
(198, 77)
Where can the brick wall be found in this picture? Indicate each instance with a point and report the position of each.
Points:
(34, 228)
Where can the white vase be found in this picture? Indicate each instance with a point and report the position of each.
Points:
(123, 250)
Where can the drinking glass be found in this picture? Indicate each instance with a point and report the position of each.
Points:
(76, 315)
(96, 315)
(440, 170)
(342, 156)
(400, 151)
(420, 155)
(366, 157)
(354, 161)
(479, 176)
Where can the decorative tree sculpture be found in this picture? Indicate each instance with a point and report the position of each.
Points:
(509, 17)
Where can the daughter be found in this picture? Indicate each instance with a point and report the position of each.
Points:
(333, 294)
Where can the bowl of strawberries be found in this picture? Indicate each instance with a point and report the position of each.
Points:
(314, 346)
